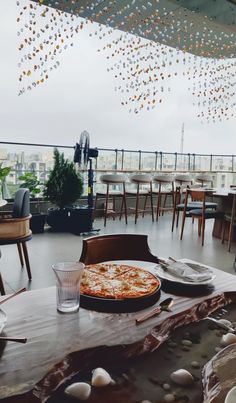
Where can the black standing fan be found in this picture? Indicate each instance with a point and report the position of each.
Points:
(83, 156)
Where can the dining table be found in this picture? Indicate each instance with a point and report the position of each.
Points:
(224, 198)
(58, 344)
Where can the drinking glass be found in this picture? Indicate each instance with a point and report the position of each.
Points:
(68, 278)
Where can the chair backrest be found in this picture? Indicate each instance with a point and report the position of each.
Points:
(116, 247)
(21, 206)
(197, 195)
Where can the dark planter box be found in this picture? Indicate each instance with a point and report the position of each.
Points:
(58, 219)
(71, 219)
(37, 223)
(81, 220)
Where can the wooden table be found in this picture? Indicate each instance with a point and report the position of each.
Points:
(52, 336)
(224, 198)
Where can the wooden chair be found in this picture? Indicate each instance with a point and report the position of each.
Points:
(179, 204)
(139, 180)
(163, 181)
(116, 247)
(207, 211)
(14, 227)
(231, 220)
(112, 180)
(2, 289)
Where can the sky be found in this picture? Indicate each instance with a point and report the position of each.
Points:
(80, 95)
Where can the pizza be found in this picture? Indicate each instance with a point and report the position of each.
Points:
(117, 281)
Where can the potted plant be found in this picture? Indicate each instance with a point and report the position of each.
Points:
(31, 182)
(4, 171)
(63, 188)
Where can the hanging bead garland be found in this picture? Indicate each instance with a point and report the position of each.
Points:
(136, 36)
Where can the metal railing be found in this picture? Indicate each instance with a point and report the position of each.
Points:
(38, 158)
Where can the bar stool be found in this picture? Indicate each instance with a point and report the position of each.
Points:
(183, 180)
(204, 179)
(163, 181)
(112, 180)
(140, 180)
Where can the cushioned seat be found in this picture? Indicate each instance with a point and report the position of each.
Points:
(208, 213)
(181, 206)
(193, 205)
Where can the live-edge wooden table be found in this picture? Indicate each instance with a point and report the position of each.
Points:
(52, 336)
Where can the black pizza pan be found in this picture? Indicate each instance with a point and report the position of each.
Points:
(126, 305)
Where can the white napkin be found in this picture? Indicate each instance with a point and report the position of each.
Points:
(188, 271)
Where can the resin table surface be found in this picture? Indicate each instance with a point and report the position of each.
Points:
(52, 336)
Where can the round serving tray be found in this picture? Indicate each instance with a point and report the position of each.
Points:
(119, 305)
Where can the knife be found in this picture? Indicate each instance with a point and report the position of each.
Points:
(16, 339)
(163, 306)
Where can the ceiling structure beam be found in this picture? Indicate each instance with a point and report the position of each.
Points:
(205, 28)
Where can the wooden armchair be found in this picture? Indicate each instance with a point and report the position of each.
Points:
(207, 211)
(14, 227)
(116, 247)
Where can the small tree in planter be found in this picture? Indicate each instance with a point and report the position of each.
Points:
(63, 188)
(4, 171)
(31, 182)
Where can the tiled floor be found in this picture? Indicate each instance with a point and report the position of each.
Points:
(48, 248)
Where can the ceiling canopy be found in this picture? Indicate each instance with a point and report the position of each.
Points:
(202, 27)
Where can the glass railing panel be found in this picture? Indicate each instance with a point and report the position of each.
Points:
(106, 160)
(183, 162)
(148, 161)
(39, 159)
(31, 158)
(168, 162)
(221, 163)
(202, 162)
(131, 160)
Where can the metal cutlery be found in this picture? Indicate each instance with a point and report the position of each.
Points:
(15, 339)
(13, 295)
(163, 306)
